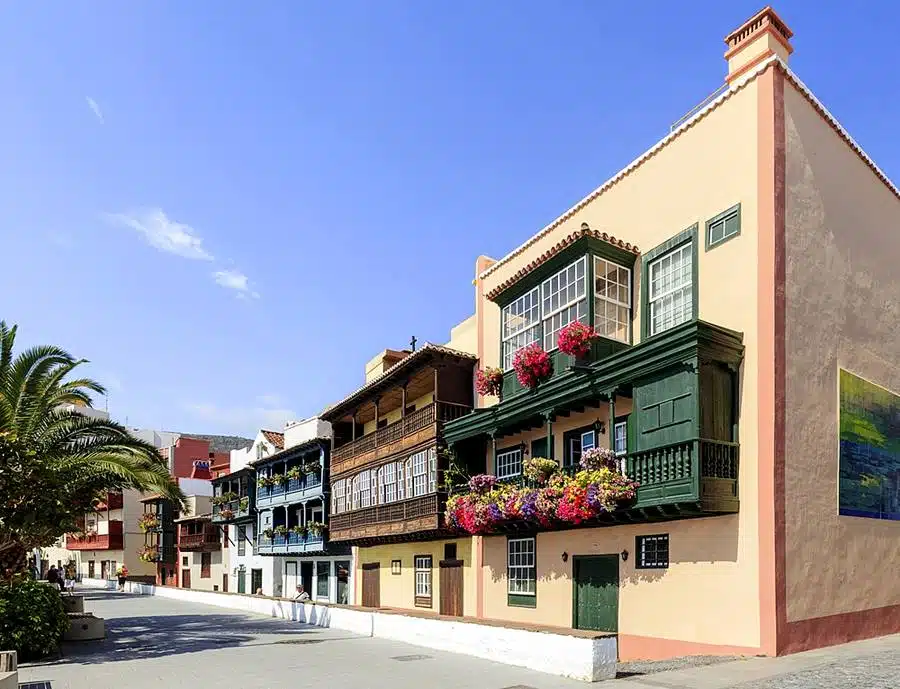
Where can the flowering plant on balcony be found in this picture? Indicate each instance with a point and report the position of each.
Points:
(300, 530)
(311, 467)
(244, 504)
(315, 529)
(148, 521)
(532, 365)
(576, 339)
(278, 479)
(482, 484)
(226, 513)
(149, 553)
(539, 469)
(294, 473)
(281, 530)
(489, 382)
(598, 458)
(268, 533)
(562, 501)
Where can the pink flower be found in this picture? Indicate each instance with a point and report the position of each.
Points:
(532, 365)
(576, 339)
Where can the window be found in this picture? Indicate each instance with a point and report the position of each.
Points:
(576, 442)
(520, 325)
(620, 437)
(562, 301)
(323, 574)
(521, 571)
(509, 463)
(422, 479)
(423, 580)
(242, 540)
(449, 551)
(387, 481)
(395, 567)
(184, 561)
(612, 300)
(671, 293)
(652, 552)
(338, 497)
(205, 565)
(401, 480)
(261, 451)
(723, 227)
(362, 490)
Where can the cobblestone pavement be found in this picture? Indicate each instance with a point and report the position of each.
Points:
(154, 642)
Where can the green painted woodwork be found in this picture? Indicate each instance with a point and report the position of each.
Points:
(601, 348)
(688, 235)
(595, 592)
(717, 403)
(539, 448)
(726, 225)
(581, 247)
(665, 406)
(242, 581)
(517, 600)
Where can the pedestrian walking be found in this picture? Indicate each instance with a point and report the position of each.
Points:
(122, 575)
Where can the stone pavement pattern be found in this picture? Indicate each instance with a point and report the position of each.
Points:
(156, 642)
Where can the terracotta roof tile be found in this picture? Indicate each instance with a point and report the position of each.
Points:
(585, 231)
(274, 437)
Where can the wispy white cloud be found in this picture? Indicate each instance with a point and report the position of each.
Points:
(242, 420)
(92, 104)
(162, 233)
(235, 280)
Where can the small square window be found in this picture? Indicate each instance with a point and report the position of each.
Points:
(652, 552)
(184, 560)
(395, 566)
(723, 227)
(449, 551)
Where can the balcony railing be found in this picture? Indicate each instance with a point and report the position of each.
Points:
(292, 487)
(290, 543)
(419, 420)
(199, 541)
(410, 510)
(95, 542)
(230, 511)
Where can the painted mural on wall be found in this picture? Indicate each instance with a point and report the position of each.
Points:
(870, 449)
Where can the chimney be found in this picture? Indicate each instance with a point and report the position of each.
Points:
(201, 469)
(761, 36)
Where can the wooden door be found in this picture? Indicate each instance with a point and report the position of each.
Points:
(185, 578)
(371, 585)
(290, 580)
(596, 593)
(103, 569)
(225, 583)
(242, 581)
(306, 578)
(90, 569)
(255, 580)
(451, 587)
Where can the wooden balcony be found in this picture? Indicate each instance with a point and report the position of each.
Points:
(409, 432)
(234, 511)
(399, 520)
(208, 540)
(114, 540)
(290, 544)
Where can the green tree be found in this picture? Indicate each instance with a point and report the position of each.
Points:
(55, 462)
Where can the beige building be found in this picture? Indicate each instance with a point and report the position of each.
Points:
(202, 550)
(740, 275)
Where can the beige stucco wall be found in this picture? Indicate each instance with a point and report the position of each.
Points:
(707, 169)
(464, 336)
(397, 590)
(217, 569)
(686, 602)
(842, 297)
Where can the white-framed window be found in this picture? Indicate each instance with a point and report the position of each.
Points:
(401, 480)
(588, 440)
(338, 497)
(387, 481)
(520, 325)
(362, 490)
(653, 551)
(419, 473)
(521, 568)
(432, 470)
(562, 301)
(423, 577)
(509, 463)
(671, 289)
(620, 437)
(373, 481)
(612, 300)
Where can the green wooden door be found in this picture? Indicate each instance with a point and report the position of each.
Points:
(242, 581)
(539, 448)
(596, 593)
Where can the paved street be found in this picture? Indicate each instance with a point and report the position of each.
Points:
(155, 642)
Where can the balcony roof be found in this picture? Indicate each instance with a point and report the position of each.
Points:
(238, 473)
(418, 359)
(302, 448)
(194, 518)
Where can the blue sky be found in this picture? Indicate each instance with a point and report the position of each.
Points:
(229, 207)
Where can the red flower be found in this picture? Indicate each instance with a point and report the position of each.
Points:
(576, 339)
(489, 382)
(532, 365)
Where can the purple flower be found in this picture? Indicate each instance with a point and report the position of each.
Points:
(482, 483)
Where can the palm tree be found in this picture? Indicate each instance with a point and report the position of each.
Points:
(55, 461)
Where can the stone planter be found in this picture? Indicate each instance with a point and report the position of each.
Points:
(73, 603)
(83, 626)
(9, 670)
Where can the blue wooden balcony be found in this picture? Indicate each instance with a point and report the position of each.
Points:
(292, 490)
(291, 543)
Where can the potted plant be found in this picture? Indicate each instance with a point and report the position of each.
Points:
(281, 530)
(599, 458)
(294, 473)
(315, 529)
(148, 521)
(244, 504)
(482, 484)
(311, 467)
(269, 533)
(489, 382)
(226, 513)
(300, 530)
(539, 469)
(263, 482)
(532, 365)
(149, 553)
(278, 479)
(576, 339)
